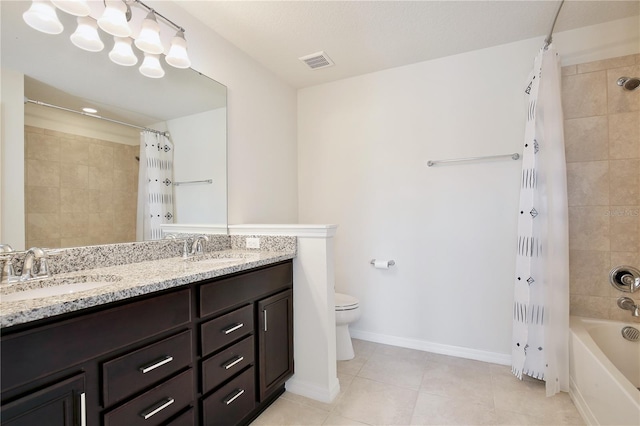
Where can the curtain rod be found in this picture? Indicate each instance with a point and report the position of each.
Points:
(549, 39)
(27, 100)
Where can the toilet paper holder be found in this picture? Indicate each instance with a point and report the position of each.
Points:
(389, 262)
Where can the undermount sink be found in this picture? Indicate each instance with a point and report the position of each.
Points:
(49, 287)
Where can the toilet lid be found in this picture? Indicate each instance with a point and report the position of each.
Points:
(345, 302)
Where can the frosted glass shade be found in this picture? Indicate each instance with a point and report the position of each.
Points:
(177, 56)
(73, 7)
(86, 35)
(149, 39)
(42, 16)
(151, 66)
(114, 19)
(122, 53)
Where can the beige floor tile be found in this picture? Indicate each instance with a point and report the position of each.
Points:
(401, 353)
(458, 381)
(285, 412)
(336, 420)
(377, 403)
(351, 367)
(440, 410)
(403, 372)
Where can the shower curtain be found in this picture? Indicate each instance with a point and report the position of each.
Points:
(155, 186)
(541, 297)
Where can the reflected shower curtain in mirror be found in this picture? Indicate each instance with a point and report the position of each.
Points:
(541, 294)
(155, 186)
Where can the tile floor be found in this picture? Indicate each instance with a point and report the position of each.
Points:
(387, 385)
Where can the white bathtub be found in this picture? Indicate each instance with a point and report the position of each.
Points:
(604, 372)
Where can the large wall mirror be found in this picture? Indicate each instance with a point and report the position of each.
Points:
(80, 172)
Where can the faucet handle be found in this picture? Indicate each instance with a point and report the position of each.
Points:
(8, 271)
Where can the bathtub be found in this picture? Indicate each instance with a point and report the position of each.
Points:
(604, 372)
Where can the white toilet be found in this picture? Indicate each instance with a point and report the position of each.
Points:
(347, 311)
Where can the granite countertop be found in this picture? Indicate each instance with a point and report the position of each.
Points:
(131, 280)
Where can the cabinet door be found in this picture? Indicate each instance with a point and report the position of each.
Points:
(61, 404)
(275, 335)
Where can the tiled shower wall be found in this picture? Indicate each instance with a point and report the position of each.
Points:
(79, 191)
(602, 139)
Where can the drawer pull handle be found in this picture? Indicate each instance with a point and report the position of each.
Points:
(234, 362)
(235, 396)
(83, 409)
(156, 364)
(157, 408)
(233, 328)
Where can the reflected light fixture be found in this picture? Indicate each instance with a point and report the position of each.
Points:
(149, 39)
(114, 19)
(86, 35)
(90, 110)
(42, 16)
(73, 7)
(122, 53)
(177, 56)
(151, 66)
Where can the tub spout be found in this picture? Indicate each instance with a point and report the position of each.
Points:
(628, 304)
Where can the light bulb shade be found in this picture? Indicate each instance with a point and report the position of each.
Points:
(42, 16)
(122, 53)
(86, 35)
(177, 56)
(151, 66)
(149, 39)
(114, 19)
(73, 7)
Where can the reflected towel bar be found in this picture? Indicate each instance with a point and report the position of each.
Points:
(514, 156)
(191, 182)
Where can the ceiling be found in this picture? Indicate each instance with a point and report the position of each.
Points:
(368, 36)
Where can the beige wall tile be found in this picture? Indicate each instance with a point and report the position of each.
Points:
(625, 257)
(31, 129)
(569, 70)
(101, 155)
(620, 61)
(589, 228)
(625, 229)
(74, 200)
(123, 180)
(46, 242)
(74, 176)
(124, 156)
(124, 202)
(101, 226)
(73, 225)
(75, 242)
(589, 272)
(588, 183)
(101, 178)
(618, 314)
(101, 201)
(586, 139)
(74, 152)
(620, 100)
(43, 173)
(42, 226)
(624, 177)
(624, 135)
(41, 147)
(589, 306)
(584, 95)
(42, 200)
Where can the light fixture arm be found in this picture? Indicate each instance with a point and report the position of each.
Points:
(150, 9)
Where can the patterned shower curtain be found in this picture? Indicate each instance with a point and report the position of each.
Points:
(541, 297)
(155, 186)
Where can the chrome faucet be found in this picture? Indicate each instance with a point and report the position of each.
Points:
(197, 247)
(628, 304)
(8, 272)
(35, 256)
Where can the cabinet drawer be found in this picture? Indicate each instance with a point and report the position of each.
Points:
(226, 364)
(227, 293)
(157, 405)
(185, 419)
(32, 354)
(226, 329)
(232, 402)
(136, 370)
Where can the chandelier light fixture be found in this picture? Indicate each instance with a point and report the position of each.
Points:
(115, 21)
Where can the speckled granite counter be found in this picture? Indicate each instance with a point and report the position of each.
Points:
(136, 279)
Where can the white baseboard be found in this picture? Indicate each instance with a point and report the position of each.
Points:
(312, 390)
(438, 348)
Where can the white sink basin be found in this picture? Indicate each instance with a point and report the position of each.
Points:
(49, 287)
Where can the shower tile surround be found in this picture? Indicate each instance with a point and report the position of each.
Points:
(78, 190)
(602, 141)
(150, 265)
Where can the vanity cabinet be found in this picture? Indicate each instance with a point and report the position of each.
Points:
(200, 354)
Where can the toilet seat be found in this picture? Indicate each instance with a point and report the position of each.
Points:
(344, 302)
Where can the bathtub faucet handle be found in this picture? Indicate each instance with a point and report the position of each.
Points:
(628, 304)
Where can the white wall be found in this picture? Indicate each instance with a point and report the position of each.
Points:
(362, 152)
(262, 168)
(197, 158)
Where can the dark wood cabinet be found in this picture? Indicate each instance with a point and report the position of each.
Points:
(195, 355)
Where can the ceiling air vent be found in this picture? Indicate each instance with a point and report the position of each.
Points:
(317, 60)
